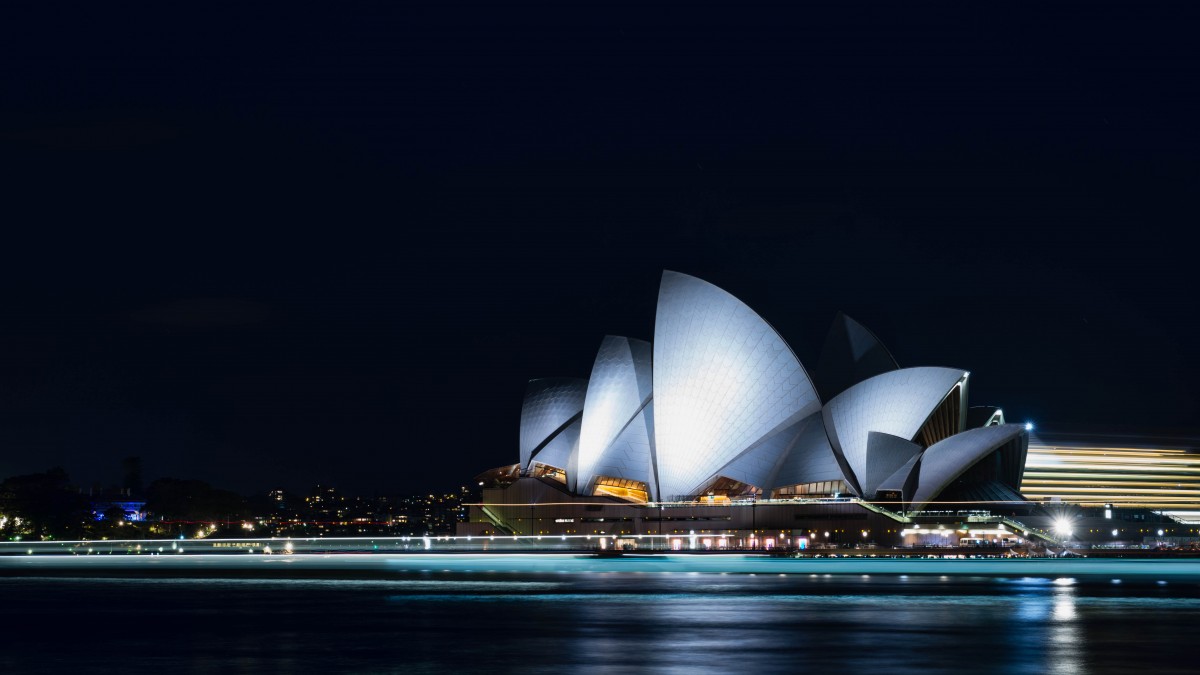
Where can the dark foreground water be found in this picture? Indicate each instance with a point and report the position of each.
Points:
(441, 622)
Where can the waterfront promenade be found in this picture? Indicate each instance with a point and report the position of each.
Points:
(384, 565)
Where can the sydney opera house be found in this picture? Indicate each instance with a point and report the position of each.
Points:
(716, 427)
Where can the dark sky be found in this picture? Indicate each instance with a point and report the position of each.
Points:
(271, 245)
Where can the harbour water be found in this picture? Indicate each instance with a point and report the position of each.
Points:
(436, 616)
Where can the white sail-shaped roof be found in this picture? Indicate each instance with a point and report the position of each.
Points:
(723, 380)
(896, 403)
(900, 478)
(885, 455)
(560, 451)
(550, 404)
(631, 455)
(618, 388)
(759, 465)
(946, 460)
(811, 459)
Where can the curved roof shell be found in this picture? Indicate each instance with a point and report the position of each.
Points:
(723, 380)
(759, 465)
(886, 454)
(984, 416)
(560, 450)
(617, 390)
(811, 458)
(895, 403)
(850, 355)
(945, 461)
(631, 454)
(550, 405)
(904, 479)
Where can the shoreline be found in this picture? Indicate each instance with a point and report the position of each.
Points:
(385, 566)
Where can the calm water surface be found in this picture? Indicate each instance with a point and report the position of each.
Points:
(438, 622)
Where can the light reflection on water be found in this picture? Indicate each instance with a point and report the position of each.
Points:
(1065, 650)
(612, 622)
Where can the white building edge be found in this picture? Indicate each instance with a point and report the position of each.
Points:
(718, 406)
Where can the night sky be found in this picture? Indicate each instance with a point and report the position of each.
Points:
(275, 246)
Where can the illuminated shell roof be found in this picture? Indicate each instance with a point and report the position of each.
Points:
(811, 458)
(617, 390)
(720, 394)
(723, 380)
(946, 460)
(550, 404)
(895, 403)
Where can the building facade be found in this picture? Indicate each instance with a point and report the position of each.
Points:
(718, 405)
(717, 412)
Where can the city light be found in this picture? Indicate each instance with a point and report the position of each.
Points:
(1062, 527)
(1112, 477)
